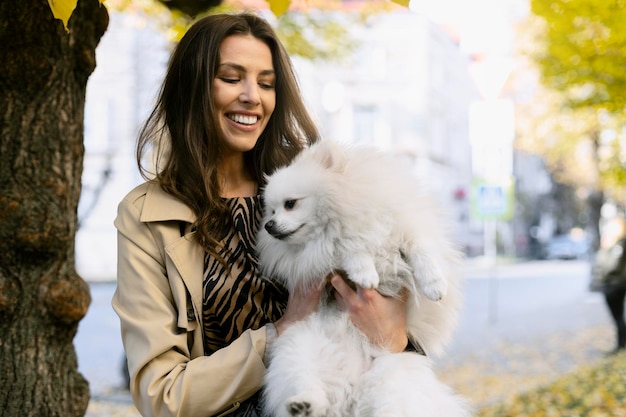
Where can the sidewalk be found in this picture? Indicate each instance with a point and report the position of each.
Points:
(482, 268)
(489, 376)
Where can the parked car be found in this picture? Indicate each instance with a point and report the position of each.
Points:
(567, 246)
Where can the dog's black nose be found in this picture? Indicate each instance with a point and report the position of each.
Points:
(269, 226)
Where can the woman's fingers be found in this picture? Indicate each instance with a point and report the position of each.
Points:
(301, 303)
(382, 319)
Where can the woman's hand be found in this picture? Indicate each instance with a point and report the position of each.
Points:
(382, 319)
(301, 303)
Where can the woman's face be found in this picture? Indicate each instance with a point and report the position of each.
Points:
(243, 91)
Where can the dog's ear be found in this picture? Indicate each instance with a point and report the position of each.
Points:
(330, 154)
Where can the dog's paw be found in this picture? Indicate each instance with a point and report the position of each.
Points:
(435, 289)
(299, 409)
(362, 271)
(366, 278)
(303, 406)
(370, 282)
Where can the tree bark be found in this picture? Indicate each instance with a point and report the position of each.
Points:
(596, 198)
(595, 201)
(43, 79)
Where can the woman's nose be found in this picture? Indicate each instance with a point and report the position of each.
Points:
(250, 93)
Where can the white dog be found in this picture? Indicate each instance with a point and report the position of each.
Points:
(355, 210)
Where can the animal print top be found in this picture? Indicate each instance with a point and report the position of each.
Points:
(237, 298)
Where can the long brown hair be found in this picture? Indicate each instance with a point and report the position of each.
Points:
(183, 128)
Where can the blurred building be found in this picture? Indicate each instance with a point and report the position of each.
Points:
(130, 59)
(535, 208)
(406, 89)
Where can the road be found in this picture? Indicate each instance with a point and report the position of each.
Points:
(515, 303)
(524, 301)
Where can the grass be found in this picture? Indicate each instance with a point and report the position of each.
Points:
(597, 390)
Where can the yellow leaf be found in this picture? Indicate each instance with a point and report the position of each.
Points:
(404, 3)
(278, 7)
(62, 9)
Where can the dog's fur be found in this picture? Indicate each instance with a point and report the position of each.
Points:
(355, 210)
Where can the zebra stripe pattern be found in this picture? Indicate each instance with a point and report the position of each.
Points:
(236, 297)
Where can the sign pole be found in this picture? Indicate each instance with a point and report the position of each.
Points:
(492, 201)
(491, 253)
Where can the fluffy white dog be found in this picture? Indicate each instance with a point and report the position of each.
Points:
(356, 210)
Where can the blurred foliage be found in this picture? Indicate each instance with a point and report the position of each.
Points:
(582, 51)
(575, 116)
(315, 35)
(313, 29)
(567, 139)
(592, 391)
(191, 7)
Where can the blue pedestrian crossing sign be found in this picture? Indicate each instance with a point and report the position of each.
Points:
(492, 200)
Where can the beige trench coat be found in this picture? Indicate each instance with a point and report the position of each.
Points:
(159, 303)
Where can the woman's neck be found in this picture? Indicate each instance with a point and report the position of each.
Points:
(235, 181)
(247, 188)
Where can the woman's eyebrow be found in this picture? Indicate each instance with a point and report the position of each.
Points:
(241, 68)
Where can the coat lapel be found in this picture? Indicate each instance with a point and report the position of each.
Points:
(188, 259)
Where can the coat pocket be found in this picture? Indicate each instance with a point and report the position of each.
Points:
(188, 323)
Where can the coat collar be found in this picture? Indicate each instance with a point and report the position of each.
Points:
(161, 206)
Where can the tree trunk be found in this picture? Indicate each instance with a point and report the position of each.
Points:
(596, 198)
(595, 201)
(43, 80)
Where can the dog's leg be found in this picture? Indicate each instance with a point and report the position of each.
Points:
(311, 404)
(428, 274)
(294, 383)
(361, 269)
(292, 389)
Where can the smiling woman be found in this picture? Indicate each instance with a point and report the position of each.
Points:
(192, 304)
(197, 317)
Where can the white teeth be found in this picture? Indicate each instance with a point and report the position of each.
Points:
(245, 120)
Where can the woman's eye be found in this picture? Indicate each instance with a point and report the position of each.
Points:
(230, 80)
(289, 204)
(267, 86)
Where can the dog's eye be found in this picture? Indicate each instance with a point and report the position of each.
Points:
(289, 204)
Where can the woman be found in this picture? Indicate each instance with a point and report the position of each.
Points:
(615, 302)
(196, 317)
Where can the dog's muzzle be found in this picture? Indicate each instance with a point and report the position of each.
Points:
(274, 231)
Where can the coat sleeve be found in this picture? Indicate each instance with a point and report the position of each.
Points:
(165, 379)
